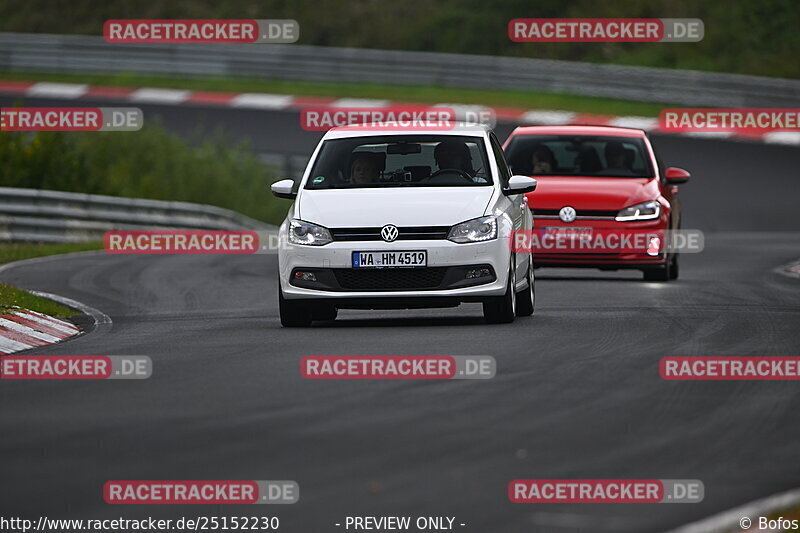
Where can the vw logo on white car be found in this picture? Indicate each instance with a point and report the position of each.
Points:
(567, 214)
(389, 233)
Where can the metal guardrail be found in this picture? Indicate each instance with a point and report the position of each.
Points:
(33, 215)
(91, 54)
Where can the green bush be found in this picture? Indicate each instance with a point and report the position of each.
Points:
(150, 163)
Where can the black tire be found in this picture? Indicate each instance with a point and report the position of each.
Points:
(526, 299)
(294, 313)
(674, 270)
(324, 311)
(500, 309)
(659, 273)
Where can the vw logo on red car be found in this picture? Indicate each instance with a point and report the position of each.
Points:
(567, 214)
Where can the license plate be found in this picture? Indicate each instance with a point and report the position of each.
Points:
(567, 231)
(390, 259)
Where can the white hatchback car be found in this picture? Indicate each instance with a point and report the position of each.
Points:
(402, 220)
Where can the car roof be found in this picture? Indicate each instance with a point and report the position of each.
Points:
(357, 130)
(610, 131)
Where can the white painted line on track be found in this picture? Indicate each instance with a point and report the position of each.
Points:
(262, 101)
(548, 117)
(640, 123)
(361, 102)
(100, 318)
(159, 96)
(57, 90)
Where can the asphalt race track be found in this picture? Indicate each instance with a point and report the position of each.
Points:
(577, 392)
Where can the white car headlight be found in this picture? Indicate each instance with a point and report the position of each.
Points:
(475, 230)
(644, 211)
(301, 232)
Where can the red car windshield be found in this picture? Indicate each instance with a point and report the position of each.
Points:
(579, 155)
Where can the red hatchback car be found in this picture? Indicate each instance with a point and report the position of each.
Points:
(598, 179)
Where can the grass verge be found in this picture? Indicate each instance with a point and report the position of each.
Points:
(12, 296)
(400, 93)
(17, 251)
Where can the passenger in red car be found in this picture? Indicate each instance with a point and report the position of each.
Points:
(543, 161)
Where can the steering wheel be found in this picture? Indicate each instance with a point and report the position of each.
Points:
(458, 171)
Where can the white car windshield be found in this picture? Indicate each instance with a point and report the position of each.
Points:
(401, 161)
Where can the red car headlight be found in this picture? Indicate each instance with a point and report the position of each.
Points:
(644, 211)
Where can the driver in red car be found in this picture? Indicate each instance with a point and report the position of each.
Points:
(616, 159)
(543, 160)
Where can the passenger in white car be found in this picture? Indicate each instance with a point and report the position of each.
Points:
(365, 168)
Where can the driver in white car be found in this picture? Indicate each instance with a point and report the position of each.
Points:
(454, 154)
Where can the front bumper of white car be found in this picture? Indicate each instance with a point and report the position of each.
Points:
(448, 274)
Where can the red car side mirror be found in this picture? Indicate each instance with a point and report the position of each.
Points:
(675, 175)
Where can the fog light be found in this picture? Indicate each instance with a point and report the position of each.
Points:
(305, 276)
(478, 273)
(654, 248)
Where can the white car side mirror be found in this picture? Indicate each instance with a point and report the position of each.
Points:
(283, 189)
(520, 185)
